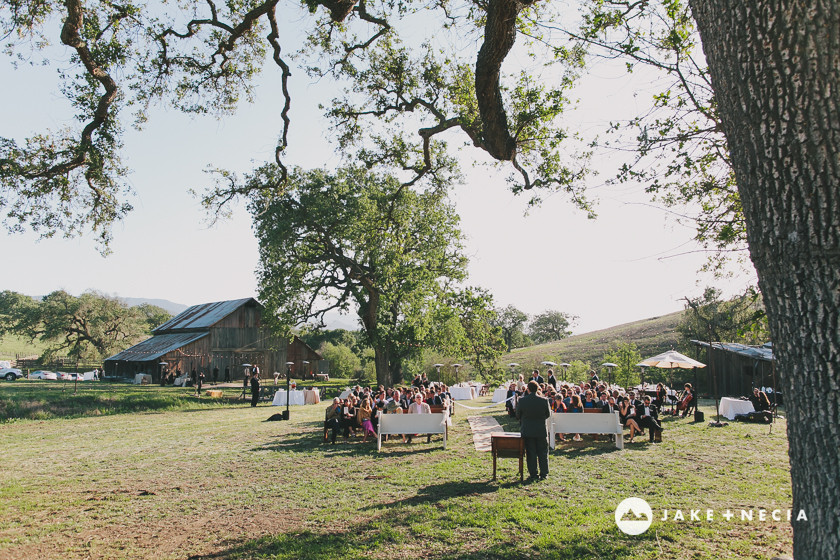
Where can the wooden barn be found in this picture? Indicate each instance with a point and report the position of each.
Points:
(224, 334)
(739, 367)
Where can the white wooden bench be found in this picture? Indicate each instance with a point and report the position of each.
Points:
(572, 423)
(401, 424)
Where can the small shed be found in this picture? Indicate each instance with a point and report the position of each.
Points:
(223, 335)
(739, 367)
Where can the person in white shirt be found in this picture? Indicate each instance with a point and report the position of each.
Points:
(418, 407)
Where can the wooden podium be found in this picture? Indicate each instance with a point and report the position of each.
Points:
(507, 444)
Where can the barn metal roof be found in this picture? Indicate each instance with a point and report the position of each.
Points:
(157, 346)
(203, 316)
(763, 352)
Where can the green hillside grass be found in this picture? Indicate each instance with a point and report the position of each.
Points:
(12, 346)
(651, 336)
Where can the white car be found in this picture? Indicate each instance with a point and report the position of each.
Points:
(10, 374)
(41, 374)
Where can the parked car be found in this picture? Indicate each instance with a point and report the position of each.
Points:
(62, 375)
(76, 376)
(42, 374)
(10, 374)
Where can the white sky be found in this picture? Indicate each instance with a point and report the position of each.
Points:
(619, 268)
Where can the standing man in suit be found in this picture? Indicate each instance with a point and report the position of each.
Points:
(537, 377)
(532, 411)
(551, 379)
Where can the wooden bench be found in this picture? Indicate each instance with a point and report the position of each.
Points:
(507, 444)
(576, 423)
(404, 424)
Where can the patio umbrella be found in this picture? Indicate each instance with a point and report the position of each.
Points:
(546, 363)
(671, 359)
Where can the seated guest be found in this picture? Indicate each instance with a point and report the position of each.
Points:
(627, 415)
(392, 405)
(557, 403)
(588, 402)
(648, 416)
(575, 406)
(418, 407)
(364, 418)
(332, 420)
(348, 417)
(510, 403)
(759, 400)
(609, 405)
(558, 407)
(689, 398)
(567, 396)
(603, 401)
(661, 395)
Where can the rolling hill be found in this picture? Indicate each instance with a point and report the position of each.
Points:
(651, 336)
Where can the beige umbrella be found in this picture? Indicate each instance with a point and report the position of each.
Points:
(671, 359)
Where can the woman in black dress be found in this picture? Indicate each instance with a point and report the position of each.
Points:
(255, 388)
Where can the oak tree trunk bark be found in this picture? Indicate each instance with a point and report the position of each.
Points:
(775, 68)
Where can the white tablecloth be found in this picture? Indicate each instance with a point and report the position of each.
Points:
(463, 393)
(345, 393)
(729, 407)
(311, 396)
(297, 398)
(499, 395)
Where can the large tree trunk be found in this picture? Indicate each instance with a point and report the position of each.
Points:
(368, 314)
(775, 67)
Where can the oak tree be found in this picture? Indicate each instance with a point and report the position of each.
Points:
(359, 241)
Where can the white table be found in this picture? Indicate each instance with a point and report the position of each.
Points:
(297, 398)
(463, 393)
(500, 394)
(345, 393)
(729, 407)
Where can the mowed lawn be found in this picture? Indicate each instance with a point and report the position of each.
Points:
(219, 481)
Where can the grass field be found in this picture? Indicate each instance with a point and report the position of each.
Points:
(215, 480)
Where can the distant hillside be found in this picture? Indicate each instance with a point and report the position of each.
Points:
(651, 336)
(170, 306)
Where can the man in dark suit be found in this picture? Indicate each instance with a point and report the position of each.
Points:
(609, 406)
(649, 418)
(551, 379)
(532, 411)
(537, 377)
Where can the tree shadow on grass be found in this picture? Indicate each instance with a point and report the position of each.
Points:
(584, 449)
(309, 441)
(402, 529)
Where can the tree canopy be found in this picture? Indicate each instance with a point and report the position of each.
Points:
(550, 325)
(92, 326)
(359, 241)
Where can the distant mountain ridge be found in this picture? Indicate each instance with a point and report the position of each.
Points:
(170, 306)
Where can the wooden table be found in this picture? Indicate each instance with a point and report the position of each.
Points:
(507, 444)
